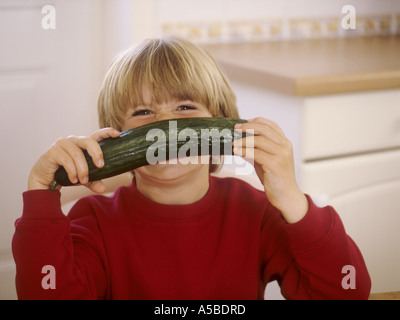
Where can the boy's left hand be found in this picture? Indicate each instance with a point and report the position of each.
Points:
(272, 154)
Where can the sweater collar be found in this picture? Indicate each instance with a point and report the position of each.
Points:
(166, 212)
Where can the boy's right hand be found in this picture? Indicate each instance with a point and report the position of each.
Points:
(68, 152)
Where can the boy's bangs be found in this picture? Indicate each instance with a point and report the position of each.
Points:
(165, 74)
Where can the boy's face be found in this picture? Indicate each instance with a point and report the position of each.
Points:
(171, 109)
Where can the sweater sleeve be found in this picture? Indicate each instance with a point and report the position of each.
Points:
(313, 258)
(55, 259)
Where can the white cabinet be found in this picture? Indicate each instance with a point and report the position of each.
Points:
(351, 160)
(347, 154)
(365, 191)
(339, 125)
(49, 82)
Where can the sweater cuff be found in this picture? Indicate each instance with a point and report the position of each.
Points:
(311, 229)
(42, 205)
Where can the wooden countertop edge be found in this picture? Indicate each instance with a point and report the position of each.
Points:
(381, 80)
(312, 86)
(385, 296)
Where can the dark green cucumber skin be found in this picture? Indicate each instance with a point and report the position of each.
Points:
(128, 151)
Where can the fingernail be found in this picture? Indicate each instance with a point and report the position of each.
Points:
(85, 180)
(100, 162)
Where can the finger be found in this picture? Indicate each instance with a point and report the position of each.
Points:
(258, 142)
(93, 149)
(263, 161)
(96, 186)
(60, 157)
(269, 123)
(70, 146)
(262, 129)
(252, 155)
(105, 133)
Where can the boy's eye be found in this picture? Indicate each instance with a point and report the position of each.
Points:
(142, 112)
(185, 107)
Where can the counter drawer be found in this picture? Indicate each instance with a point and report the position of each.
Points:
(350, 123)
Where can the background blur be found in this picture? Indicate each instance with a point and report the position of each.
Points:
(288, 60)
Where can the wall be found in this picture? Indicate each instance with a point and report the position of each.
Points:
(238, 20)
(49, 82)
(188, 10)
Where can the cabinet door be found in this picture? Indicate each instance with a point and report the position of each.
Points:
(365, 191)
(371, 216)
(48, 89)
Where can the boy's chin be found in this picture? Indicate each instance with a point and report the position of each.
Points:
(194, 160)
(171, 169)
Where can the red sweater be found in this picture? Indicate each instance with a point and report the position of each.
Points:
(228, 245)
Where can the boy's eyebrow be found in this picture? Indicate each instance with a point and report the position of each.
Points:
(135, 108)
(143, 105)
(174, 101)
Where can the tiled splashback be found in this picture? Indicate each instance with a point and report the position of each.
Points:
(285, 29)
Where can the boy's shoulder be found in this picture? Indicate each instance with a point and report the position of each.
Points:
(93, 204)
(244, 201)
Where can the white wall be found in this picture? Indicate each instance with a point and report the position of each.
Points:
(187, 10)
(257, 20)
(49, 83)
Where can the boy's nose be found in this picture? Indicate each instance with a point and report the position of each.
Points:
(165, 116)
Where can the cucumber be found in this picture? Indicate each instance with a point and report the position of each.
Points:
(163, 139)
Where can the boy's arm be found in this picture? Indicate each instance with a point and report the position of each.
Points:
(43, 240)
(55, 260)
(313, 247)
(313, 258)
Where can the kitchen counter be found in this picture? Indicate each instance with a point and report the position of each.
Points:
(314, 67)
(385, 296)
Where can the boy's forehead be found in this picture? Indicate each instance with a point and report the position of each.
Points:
(149, 97)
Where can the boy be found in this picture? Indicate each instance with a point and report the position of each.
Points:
(177, 232)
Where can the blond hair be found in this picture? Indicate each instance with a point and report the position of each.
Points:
(167, 68)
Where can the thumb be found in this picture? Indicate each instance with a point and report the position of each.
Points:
(96, 186)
